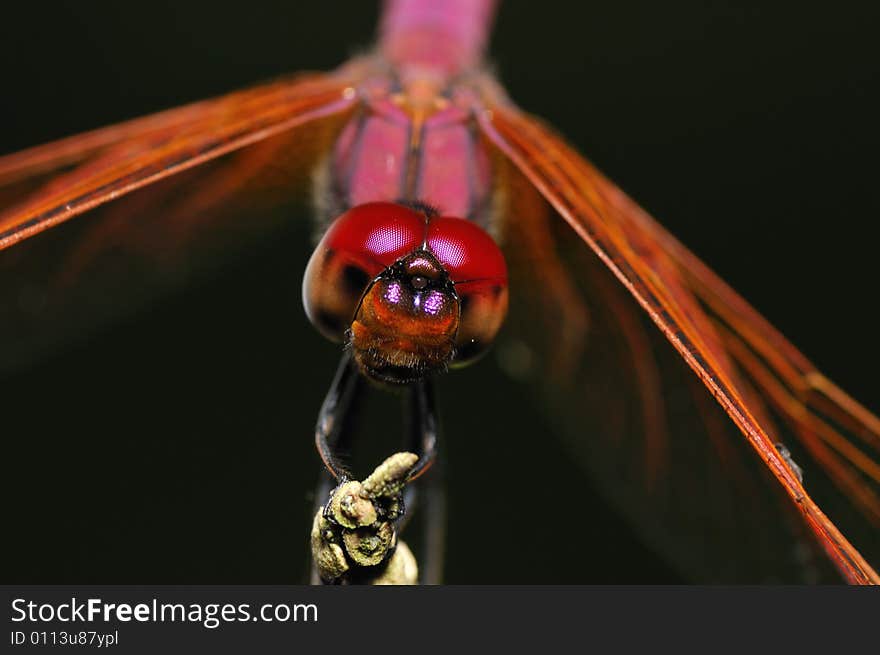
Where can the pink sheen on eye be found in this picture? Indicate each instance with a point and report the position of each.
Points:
(386, 239)
(466, 251)
(450, 252)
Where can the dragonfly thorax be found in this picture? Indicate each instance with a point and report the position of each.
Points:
(411, 143)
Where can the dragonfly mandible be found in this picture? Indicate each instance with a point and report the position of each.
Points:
(676, 282)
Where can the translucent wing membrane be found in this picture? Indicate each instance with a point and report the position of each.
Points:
(662, 451)
(110, 162)
(837, 431)
(186, 186)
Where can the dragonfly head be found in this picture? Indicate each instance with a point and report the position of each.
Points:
(407, 321)
(412, 292)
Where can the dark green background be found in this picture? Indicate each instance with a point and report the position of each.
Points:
(175, 447)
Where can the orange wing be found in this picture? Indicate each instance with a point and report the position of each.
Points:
(188, 187)
(736, 354)
(110, 162)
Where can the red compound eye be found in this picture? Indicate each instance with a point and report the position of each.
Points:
(359, 245)
(376, 234)
(465, 250)
(475, 264)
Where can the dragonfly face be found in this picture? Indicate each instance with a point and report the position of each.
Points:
(411, 292)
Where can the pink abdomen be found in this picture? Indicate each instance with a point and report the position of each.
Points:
(438, 38)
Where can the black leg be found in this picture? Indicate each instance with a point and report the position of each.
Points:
(332, 416)
(329, 430)
(420, 430)
(423, 430)
(421, 437)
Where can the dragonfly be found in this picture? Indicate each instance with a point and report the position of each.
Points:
(619, 301)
